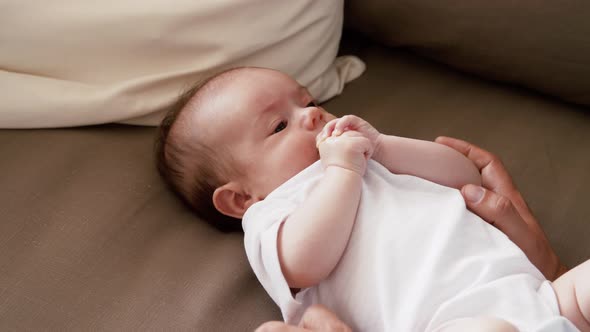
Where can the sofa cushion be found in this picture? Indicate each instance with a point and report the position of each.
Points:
(70, 63)
(541, 45)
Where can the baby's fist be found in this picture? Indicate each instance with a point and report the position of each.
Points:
(347, 123)
(351, 150)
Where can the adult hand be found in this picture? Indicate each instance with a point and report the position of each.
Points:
(499, 202)
(315, 318)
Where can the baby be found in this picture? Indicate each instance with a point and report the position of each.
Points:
(336, 213)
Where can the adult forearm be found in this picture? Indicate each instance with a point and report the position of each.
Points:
(432, 161)
(313, 238)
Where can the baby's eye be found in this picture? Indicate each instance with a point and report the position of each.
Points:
(282, 125)
(312, 104)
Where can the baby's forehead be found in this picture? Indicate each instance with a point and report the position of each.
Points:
(205, 116)
(229, 85)
(234, 96)
(244, 87)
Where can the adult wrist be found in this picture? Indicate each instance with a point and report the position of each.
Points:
(559, 268)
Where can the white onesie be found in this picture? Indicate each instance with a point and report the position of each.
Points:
(416, 258)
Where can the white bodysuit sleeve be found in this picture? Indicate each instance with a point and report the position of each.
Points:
(261, 225)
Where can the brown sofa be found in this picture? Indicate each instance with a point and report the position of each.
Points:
(90, 239)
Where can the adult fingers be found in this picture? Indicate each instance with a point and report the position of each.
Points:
(495, 209)
(494, 175)
(500, 212)
(319, 318)
(502, 205)
(316, 318)
(276, 326)
(477, 155)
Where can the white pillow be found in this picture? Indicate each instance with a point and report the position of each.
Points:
(71, 63)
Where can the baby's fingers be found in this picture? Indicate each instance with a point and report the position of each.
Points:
(364, 145)
(347, 122)
(326, 132)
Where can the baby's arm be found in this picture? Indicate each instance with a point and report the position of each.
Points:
(573, 295)
(432, 161)
(313, 238)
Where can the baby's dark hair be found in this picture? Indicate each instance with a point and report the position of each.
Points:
(196, 184)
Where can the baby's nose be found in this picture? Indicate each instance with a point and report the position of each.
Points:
(312, 118)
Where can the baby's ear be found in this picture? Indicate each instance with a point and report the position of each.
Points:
(231, 200)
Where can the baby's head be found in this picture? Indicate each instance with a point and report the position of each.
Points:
(234, 138)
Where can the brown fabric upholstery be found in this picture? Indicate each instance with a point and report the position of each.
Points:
(543, 45)
(91, 240)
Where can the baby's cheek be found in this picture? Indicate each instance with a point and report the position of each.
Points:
(305, 155)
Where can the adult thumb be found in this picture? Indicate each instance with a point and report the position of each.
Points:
(319, 318)
(495, 209)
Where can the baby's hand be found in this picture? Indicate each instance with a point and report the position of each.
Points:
(346, 123)
(350, 150)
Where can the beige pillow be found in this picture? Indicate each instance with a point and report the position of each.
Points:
(71, 63)
(544, 45)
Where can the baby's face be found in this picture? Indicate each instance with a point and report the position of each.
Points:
(269, 125)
